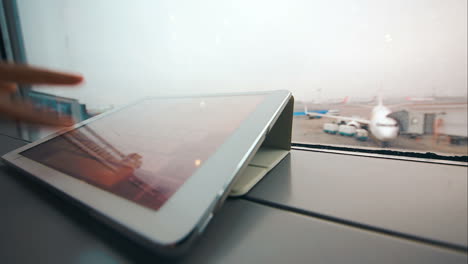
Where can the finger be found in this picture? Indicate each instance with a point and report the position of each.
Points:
(26, 112)
(32, 75)
(7, 87)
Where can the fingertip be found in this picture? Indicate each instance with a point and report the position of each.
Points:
(75, 79)
(79, 78)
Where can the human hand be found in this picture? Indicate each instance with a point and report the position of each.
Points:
(13, 74)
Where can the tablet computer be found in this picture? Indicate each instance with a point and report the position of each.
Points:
(157, 169)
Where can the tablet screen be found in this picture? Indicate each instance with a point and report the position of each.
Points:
(146, 151)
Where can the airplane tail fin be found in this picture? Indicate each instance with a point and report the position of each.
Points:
(380, 99)
(345, 100)
(305, 108)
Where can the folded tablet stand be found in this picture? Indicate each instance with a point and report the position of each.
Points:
(275, 147)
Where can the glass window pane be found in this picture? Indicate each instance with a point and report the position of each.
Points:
(338, 58)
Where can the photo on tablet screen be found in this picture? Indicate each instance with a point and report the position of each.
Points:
(146, 151)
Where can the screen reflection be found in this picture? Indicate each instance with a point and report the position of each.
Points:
(145, 152)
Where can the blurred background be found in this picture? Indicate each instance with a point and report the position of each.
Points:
(336, 56)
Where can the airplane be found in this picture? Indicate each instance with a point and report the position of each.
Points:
(311, 114)
(382, 127)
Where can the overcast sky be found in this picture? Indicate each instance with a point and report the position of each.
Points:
(326, 49)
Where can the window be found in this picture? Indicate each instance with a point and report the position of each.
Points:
(389, 73)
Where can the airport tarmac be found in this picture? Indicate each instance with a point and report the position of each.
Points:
(307, 130)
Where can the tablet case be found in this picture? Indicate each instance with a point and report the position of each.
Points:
(276, 146)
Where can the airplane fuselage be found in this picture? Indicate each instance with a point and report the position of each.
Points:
(384, 128)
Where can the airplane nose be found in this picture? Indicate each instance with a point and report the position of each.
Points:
(389, 133)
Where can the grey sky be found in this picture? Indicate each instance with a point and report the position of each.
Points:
(130, 49)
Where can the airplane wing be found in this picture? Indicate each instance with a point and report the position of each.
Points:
(359, 120)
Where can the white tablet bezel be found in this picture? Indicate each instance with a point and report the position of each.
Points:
(193, 202)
